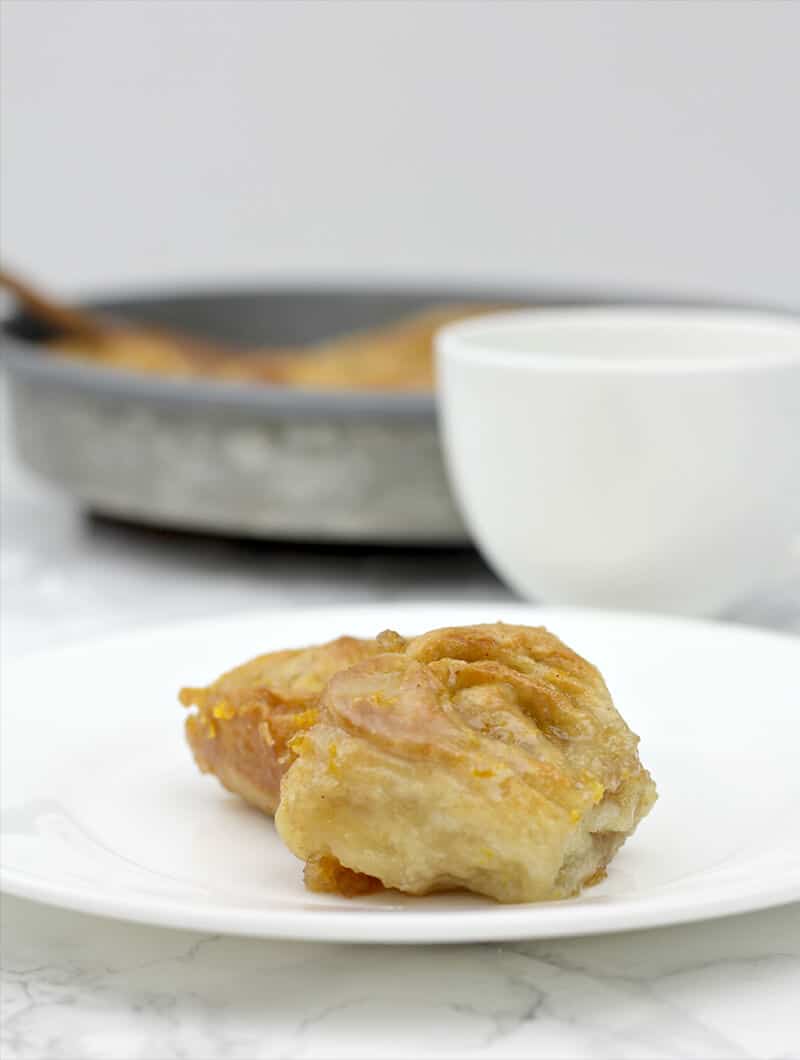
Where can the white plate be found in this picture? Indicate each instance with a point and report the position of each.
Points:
(104, 811)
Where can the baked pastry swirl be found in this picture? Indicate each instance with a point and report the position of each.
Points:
(485, 757)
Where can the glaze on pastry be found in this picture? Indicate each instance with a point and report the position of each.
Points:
(243, 722)
(488, 757)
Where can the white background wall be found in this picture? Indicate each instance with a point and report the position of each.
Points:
(650, 145)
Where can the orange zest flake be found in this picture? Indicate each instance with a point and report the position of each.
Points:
(482, 773)
(596, 877)
(305, 719)
(296, 745)
(332, 764)
(224, 711)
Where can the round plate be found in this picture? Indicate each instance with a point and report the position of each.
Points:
(104, 811)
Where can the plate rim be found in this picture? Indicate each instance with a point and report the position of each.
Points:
(502, 924)
(513, 605)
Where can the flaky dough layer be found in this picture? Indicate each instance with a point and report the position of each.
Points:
(484, 757)
(243, 723)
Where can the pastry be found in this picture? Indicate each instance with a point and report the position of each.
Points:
(489, 758)
(242, 724)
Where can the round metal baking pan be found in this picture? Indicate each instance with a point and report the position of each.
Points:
(256, 460)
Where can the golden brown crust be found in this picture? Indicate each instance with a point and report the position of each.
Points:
(323, 873)
(244, 721)
(487, 757)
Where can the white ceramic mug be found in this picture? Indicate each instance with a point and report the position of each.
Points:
(643, 458)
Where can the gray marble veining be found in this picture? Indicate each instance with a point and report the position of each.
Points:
(77, 986)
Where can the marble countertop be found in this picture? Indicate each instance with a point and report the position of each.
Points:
(78, 987)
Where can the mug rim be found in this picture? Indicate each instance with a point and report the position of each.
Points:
(480, 340)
